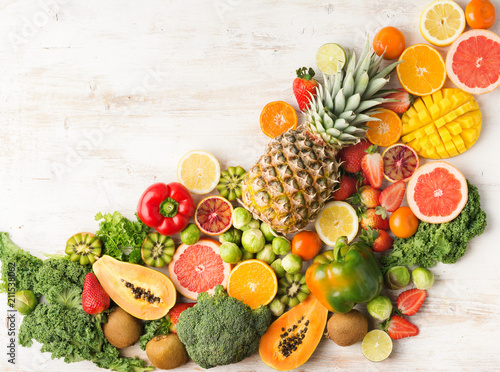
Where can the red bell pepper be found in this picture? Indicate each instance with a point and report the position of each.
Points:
(166, 208)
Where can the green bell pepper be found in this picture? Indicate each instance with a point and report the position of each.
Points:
(342, 277)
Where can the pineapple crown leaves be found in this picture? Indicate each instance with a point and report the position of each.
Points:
(344, 103)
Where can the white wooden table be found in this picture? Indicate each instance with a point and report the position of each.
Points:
(100, 99)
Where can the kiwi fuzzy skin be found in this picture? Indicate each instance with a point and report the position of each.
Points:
(166, 351)
(347, 329)
(122, 329)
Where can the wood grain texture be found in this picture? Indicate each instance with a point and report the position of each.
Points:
(100, 99)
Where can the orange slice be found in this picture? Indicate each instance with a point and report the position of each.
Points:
(276, 118)
(253, 282)
(422, 71)
(387, 130)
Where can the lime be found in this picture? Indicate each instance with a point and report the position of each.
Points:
(376, 346)
(330, 58)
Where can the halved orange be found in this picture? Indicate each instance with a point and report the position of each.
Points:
(386, 131)
(253, 282)
(422, 71)
(276, 118)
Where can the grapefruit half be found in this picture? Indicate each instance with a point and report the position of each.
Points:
(473, 61)
(437, 192)
(198, 268)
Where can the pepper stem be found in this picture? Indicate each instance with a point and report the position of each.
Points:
(337, 250)
(169, 207)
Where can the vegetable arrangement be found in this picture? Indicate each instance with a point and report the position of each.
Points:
(106, 293)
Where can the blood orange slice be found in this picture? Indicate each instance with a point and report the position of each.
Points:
(214, 215)
(473, 61)
(198, 268)
(437, 192)
(400, 162)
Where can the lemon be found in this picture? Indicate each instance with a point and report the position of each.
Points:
(442, 22)
(337, 219)
(330, 58)
(376, 346)
(199, 171)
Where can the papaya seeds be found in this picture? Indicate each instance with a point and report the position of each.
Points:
(166, 351)
(83, 248)
(157, 250)
(122, 329)
(347, 329)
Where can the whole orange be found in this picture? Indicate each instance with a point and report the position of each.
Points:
(306, 244)
(391, 40)
(480, 14)
(403, 222)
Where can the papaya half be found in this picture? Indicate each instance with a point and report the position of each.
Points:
(140, 291)
(291, 340)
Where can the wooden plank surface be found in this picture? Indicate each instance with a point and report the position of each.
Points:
(100, 99)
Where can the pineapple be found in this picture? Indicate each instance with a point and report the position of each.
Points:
(291, 182)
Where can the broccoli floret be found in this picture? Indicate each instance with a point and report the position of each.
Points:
(221, 330)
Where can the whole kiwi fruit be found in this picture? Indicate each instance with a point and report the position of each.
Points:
(347, 329)
(166, 351)
(122, 329)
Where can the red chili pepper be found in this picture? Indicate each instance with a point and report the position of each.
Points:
(166, 208)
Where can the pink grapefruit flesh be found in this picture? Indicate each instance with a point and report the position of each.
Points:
(214, 215)
(437, 192)
(473, 61)
(400, 162)
(198, 268)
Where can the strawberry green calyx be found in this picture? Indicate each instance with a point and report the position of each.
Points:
(306, 74)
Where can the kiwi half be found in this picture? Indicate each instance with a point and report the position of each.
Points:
(83, 248)
(229, 185)
(292, 289)
(157, 250)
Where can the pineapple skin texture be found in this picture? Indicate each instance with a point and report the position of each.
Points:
(291, 182)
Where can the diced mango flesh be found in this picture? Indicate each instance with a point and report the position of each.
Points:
(443, 124)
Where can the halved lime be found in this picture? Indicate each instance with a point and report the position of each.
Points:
(376, 346)
(330, 58)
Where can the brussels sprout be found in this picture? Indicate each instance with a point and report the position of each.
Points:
(277, 307)
(230, 252)
(25, 302)
(253, 224)
(380, 307)
(231, 236)
(397, 277)
(267, 255)
(292, 263)
(245, 255)
(268, 232)
(190, 235)
(422, 278)
(253, 240)
(281, 246)
(241, 217)
(278, 268)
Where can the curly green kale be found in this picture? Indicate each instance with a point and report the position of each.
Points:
(121, 237)
(154, 328)
(74, 335)
(221, 330)
(21, 264)
(445, 242)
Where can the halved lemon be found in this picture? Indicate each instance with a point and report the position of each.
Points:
(330, 58)
(376, 346)
(199, 171)
(442, 22)
(337, 219)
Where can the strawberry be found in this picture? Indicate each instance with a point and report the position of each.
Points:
(372, 218)
(304, 87)
(373, 166)
(410, 301)
(379, 240)
(367, 196)
(399, 327)
(405, 100)
(363, 179)
(392, 196)
(173, 314)
(351, 155)
(94, 299)
(348, 186)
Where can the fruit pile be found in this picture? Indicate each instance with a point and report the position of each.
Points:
(330, 171)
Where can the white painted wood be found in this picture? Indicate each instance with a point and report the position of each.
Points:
(100, 99)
